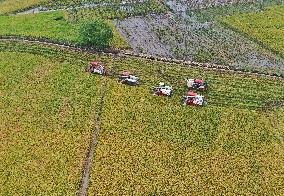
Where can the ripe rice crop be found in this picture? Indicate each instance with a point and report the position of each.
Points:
(153, 145)
(147, 144)
(47, 111)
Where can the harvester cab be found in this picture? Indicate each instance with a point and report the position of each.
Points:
(194, 99)
(162, 90)
(197, 84)
(127, 78)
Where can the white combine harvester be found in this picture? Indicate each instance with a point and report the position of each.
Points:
(126, 78)
(162, 90)
(197, 84)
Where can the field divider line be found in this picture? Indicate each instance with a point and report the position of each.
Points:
(84, 182)
(123, 53)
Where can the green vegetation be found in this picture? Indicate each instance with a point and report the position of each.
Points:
(203, 56)
(47, 25)
(8, 6)
(118, 11)
(47, 114)
(215, 13)
(61, 3)
(266, 27)
(96, 33)
(51, 26)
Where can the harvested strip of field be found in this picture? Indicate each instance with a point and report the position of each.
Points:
(47, 113)
(153, 145)
(175, 36)
(266, 27)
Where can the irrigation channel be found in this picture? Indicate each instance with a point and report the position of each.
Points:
(84, 183)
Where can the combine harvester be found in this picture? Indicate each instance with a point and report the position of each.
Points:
(162, 90)
(128, 79)
(96, 68)
(193, 99)
(197, 84)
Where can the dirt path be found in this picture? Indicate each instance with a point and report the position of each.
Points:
(181, 5)
(84, 183)
(122, 53)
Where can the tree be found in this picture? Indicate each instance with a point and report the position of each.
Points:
(96, 33)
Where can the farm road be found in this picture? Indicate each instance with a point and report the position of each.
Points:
(122, 53)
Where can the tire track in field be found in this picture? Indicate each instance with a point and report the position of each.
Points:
(84, 182)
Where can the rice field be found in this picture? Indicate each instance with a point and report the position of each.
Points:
(265, 27)
(155, 146)
(47, 113)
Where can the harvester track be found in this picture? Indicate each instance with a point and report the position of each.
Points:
(84, 183)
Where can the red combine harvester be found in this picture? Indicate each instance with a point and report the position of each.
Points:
(194, 99)
(96, 68)
(197, 84)
(128, 79)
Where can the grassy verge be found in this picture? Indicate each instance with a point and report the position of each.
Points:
(47, 114)
(65, 3)
(118, 11)
(51, 26)
(265, 27)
